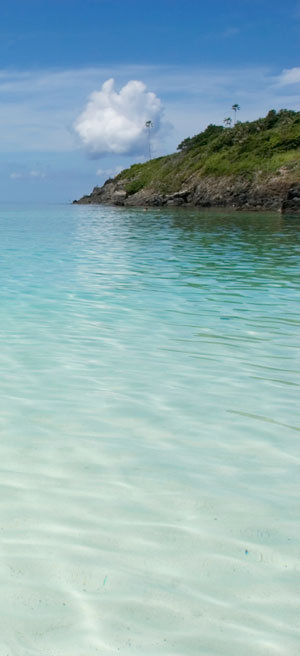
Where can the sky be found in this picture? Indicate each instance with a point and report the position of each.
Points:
(80, 78)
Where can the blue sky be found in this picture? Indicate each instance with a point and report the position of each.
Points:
(195, 59)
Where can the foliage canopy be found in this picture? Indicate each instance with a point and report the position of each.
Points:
(245, 149)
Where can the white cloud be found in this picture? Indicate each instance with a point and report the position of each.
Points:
(38, 108)
(231, 31)
(23, 175)
(112, 171)
(37, 174)
(290, 76)
(114, 122)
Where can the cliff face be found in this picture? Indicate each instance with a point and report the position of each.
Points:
(276, 193)
(253, 166)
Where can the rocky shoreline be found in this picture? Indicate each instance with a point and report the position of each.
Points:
(276, 193)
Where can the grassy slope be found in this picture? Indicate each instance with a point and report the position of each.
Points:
(247, 149)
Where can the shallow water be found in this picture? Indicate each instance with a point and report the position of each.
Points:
(149, 433)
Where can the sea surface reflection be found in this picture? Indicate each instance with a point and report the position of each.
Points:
(149, 448)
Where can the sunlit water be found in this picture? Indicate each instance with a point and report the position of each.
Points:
(149, 448)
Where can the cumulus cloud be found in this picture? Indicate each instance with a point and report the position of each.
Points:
(114, 122)
(38, 108)
(290, 76)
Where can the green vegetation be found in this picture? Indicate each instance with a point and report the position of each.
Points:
(247, 149)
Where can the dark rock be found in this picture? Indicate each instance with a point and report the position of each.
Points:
(275, 194)
(175, 202)
(291, 202)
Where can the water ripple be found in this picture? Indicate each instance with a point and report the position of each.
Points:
(149, 420)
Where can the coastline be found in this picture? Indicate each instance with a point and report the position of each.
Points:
(276, 193)
(250, 166)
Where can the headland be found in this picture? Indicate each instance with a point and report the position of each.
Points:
(249, 166)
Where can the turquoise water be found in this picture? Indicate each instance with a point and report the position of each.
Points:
(149, 449)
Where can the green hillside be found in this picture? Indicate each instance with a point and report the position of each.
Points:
(257, 148)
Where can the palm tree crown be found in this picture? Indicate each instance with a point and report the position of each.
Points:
(235, 108)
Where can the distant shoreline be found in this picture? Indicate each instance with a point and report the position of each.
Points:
(250, 166)
(274, 194)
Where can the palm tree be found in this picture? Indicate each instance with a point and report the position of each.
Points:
(228, 121)
(236, 108)
(149, 125)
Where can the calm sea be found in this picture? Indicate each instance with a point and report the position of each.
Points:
(149, 451)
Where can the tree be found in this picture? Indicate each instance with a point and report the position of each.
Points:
(202, 138)
(236, 108)
(149, 125)
(228, 121)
